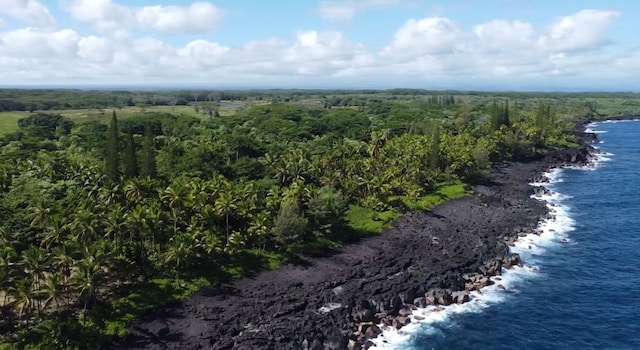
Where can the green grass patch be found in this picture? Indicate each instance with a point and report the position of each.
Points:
(444, 193)
(9, 121)
(367, 221)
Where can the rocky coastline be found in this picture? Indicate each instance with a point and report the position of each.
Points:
(340, 301)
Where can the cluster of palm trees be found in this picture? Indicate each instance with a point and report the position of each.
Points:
(69, 237)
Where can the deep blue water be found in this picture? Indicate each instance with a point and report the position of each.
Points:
(586, 291)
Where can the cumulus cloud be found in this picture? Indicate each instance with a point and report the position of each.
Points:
(106, 15)
(198, 17)
(503, 35)
(586, 29)
(37, 43)
(428, 36)
(427, 49)
(95, 49)
(30, 11)
(345, 10)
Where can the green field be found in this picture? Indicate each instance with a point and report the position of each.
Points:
(9, 120)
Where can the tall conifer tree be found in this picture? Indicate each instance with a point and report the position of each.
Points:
(148, 165)
(130, 159)
(112, 159)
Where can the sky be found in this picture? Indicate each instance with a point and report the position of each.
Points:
(548, 45)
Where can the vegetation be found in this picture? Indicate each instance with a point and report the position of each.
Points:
(105, 217)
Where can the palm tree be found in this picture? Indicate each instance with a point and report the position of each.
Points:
(54, 233)
(53, 289)
(225, 206)
(86, 278)
(378, 139)
(134, 191)
(114, 224)
(5, 283)
(39, 212)
(22, 296)
(260, 227)
(34, 260)
(137, 224)
(109, 194)
(84, 226)
(177, 252)
(174, 198)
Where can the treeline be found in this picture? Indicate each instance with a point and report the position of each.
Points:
(89, 210)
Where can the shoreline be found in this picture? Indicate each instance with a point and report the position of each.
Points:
(337, 302)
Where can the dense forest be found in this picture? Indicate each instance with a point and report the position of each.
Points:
(101, 220)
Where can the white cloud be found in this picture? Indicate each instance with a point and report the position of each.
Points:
(95, 49)
(105, 15)
(428, 36)
(36, 43)
(29, 11)
(345, 10)
(108, 16)
(198, 17)
(425, 50)
(584, 30)
(503, 35)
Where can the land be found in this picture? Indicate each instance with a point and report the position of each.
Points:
(365, 283)
(118, 206)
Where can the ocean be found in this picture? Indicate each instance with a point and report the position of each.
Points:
(580, 286)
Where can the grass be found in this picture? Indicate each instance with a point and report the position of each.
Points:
(9, 121)
(444, 193)
(367, 221)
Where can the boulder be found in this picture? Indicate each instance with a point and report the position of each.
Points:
(366, 315)
(460, 297)
(511, 260)
(420, 302)
(400, 322)
(408, 296)
(404, 312)
(439, 296)
(372, 332)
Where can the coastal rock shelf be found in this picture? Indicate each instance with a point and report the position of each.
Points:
(338, 302)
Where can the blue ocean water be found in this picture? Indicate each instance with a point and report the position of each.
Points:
(582, 288)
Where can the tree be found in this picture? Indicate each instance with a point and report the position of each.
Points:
(112, 161)
(290, 227)
(86, 277)
(21, 292)
(500, 116)
(434, 152)
(53, 289)
(148, 161)
(130, 158)
(177, 252)
(225, 205)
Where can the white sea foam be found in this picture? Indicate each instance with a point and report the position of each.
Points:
(589, 130)
(550, 233)
(613, 122)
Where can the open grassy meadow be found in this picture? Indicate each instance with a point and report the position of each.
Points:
(9, 120)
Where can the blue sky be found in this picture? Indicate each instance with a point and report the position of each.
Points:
(490, 44)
